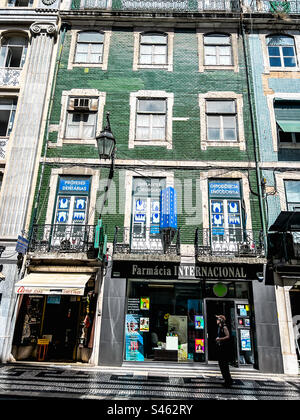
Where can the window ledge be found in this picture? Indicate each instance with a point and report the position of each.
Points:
(80, 141)
(205, 144)
(89, 65)
(289, 146)
(166, 144)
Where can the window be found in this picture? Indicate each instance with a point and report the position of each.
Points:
(7, 115)
(146, 213)
(287, 114)
(221, 118)
(226, 219)
(89, 47)
(217, 50)
(81, 118)
(153, 49)
(281, 50)
(292, 191)
(20, 3)
(13, 52)
(151, 119)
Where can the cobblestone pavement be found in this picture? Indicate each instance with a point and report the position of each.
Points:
(34, 382)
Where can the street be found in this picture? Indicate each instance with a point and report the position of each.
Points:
(27, 381)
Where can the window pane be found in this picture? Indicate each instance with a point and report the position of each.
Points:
(90, 37)
(210, 60)
(229, 122)
(219, 107)
(147, 105)
(289, 62)
(217, 39)
(146, 49)
(275, 62)
(160, 49)
(96, 48)
(213, 134)
(143, 120)
(225, 60)
(154, 39)
(274, 51)
(142, 133)
(159, 59)
(158, 121)
(229, 134)
(4, 119)
(213, 122)
(210, 50)
(288, 51)
(280, 40)
(146, 59)
(72, 129)
(285, 137)
(158, 134)
(292, 189)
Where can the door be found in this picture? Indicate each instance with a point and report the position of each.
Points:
(220, 307)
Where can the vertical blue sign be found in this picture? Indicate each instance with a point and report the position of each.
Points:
(168, 210)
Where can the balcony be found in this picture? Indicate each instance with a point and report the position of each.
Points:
(269, 6)
(58, 238)
(145, 242)
(3, 147)
(10, 76)
(161, 6)
(229, 243)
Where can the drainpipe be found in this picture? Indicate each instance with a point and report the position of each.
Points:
(254, 133)
(58, 59)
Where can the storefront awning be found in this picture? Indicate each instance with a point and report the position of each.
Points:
(289, 126)
(52, 284)
(287, 221)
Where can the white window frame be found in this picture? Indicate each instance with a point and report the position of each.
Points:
(106, 43)
(280, 180)
(201, 33)
(88, 93)
(238, 98)
(270, 101)
(267, 68)
(151, 94)
(136, 55)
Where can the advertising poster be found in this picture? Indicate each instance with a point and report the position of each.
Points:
(144, 324)
(245, 340)
(145, 303)
(199, 345)
(134, 339)
(199, 322)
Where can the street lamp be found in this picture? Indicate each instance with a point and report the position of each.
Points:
(106, 142)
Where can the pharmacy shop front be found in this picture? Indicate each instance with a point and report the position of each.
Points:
(170, 311)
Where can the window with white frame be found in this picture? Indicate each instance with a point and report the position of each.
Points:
(281, 51)
(217, 50)
(13, 51)
(8, 108)
(151, 119)
(20, 3)
(81, 118)
(153, 49)
(292, 193)
(221, 120)
(89, 47)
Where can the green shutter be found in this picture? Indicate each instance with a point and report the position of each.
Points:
(287, 114)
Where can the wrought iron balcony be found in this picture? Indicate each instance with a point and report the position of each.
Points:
(3, 147)
(161, 5)
(62, 238)
(10, 76)
(147, 241)
(229, 242)
(269, 6)
(284, 246)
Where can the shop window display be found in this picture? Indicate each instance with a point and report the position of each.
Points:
(164, 322)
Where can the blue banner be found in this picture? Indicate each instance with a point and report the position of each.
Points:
(74, 185)
(168, 210)
(224, 189)
(134, 339)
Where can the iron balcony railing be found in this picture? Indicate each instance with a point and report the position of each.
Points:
(269, 6)
(229, 242)
(62, 238)
(161, 5)
(146, 241)
(284, 246)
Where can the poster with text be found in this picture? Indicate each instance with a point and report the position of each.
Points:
(199, 345)
(199, 322)
(245, 340)
(134, 339)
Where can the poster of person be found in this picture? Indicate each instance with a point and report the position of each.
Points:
(145, 303)
(144, 324)
(199, 345)
(199, 322)
(132, 324)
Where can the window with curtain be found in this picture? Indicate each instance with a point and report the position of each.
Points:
(287, 114)
(221, 119)
(281, 50)
(81, 118)
(217, 50)
(292, 192)
(153, 49)
(151, 119)
(89, 47)
(13, 52)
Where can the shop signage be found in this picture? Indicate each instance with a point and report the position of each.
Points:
(22, 245)
(26, 290)
(74, 185)
(224, 189)
(168, 213)
(204, 271)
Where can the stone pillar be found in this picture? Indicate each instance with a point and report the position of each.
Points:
(21, 164)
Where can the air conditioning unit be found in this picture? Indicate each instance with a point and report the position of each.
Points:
(83, 104)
